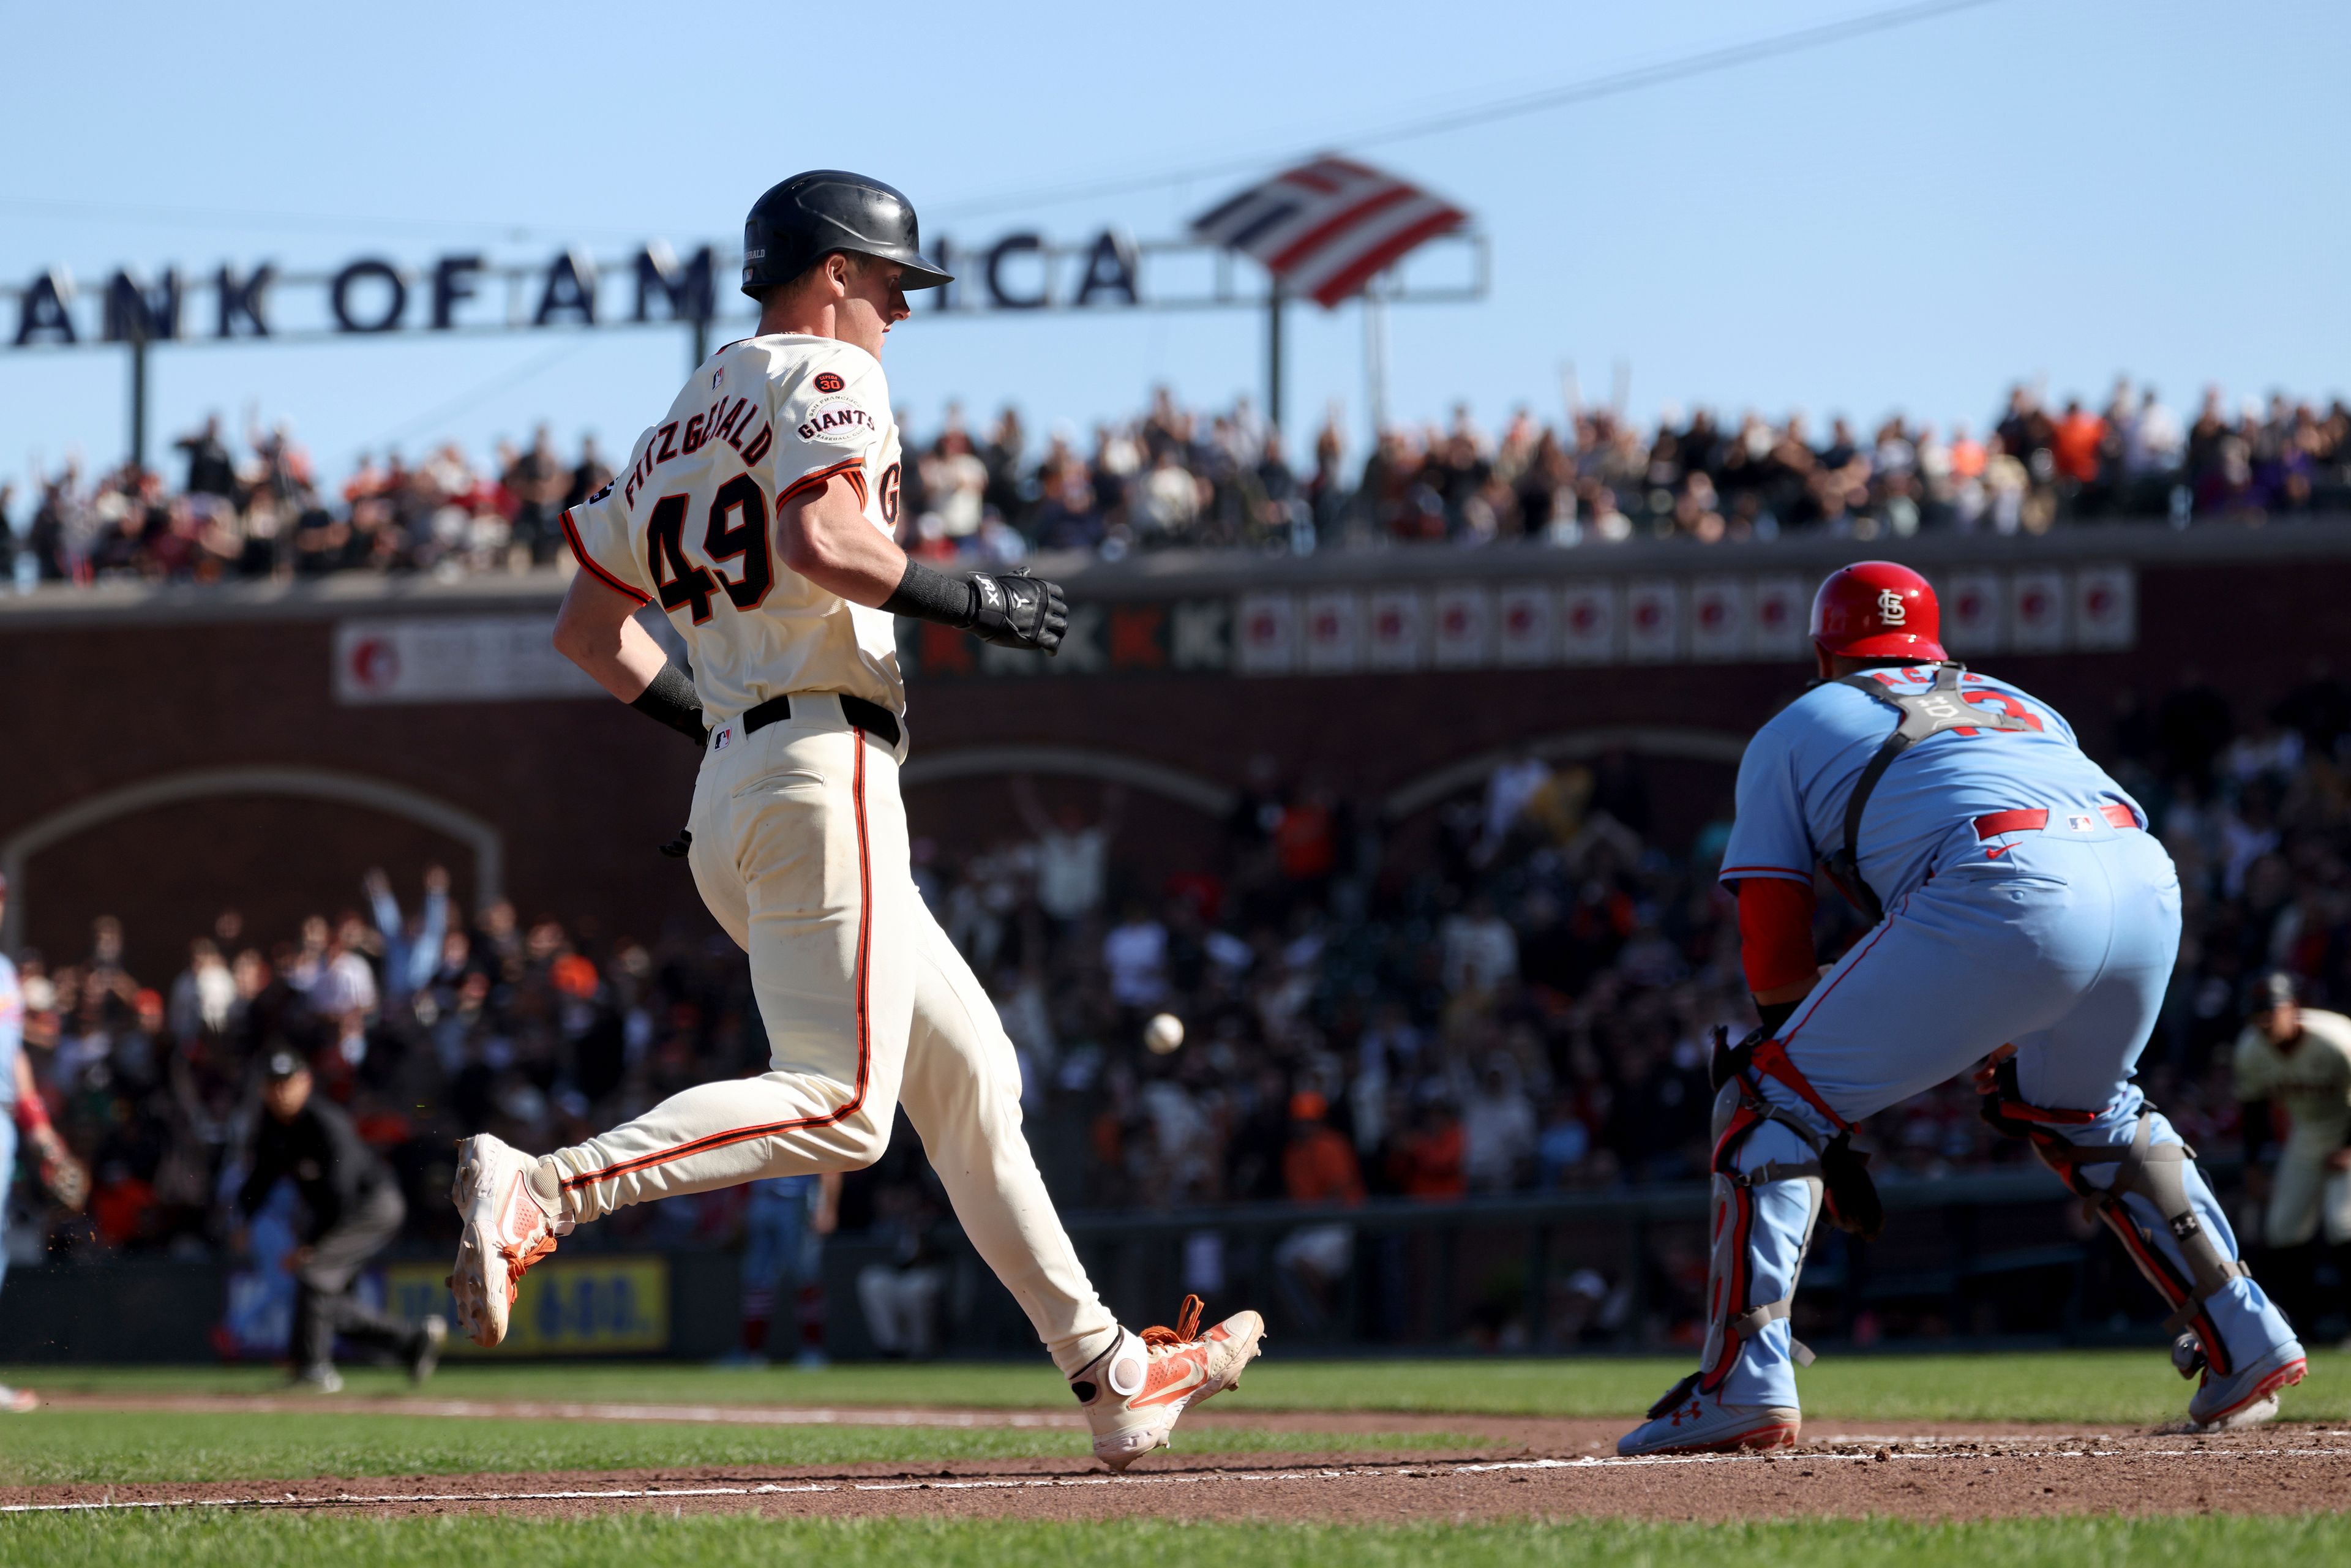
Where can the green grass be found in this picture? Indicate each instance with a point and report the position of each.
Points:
(2121, 1387)
(716, 1540)
(59, 1446)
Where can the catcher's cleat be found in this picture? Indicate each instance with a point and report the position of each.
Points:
(2248, 1395)
(1133, 1391)
(1689, 1422)
(507, 1229)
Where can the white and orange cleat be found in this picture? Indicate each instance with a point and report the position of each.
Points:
(1133, 1392)
(507, 1229)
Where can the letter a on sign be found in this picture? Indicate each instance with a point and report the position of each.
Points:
(570, 289)
(41, 310)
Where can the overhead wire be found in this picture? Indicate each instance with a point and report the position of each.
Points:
(1722, 57)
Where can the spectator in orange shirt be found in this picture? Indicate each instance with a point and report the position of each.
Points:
(1426, 1164)
(2075, 447)
(1317, 1167)
(1967, 456)
(1306, 840)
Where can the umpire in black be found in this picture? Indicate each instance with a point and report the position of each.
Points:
(355, 1210)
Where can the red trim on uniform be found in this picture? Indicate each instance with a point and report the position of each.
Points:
(580, 554)
(864, 919)
(2120, 815)
(818, 480)
(1883, 927)
(856, 477)
(2166, 1282)
(2018, 1111)
(864, 1025)
(1732, 1301)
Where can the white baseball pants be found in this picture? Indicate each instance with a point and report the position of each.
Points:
(799, 850)
(2307, 1197)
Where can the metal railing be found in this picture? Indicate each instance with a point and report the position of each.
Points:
(1990, 1255)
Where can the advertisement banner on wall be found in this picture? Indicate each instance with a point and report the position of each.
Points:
(1781, 625)
(1462, 622)
(2037, 612)
(1717, 619)
(1334, 633)
(1975, 613)
(1396, 631)
(1526, 624)
(1265, 641)
(1587, 622)
(567, 1306)
(1652, 620)
(465, 659)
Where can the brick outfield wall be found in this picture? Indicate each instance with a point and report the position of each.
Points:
(583, 790)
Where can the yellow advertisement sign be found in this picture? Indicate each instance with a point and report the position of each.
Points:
(580, 1306)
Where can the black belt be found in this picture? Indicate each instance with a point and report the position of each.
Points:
(872, 717)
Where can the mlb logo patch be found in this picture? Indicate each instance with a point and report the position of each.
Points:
(2081, 824)
(719, 738)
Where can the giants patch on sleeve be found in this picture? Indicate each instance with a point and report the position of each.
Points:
(841, 420)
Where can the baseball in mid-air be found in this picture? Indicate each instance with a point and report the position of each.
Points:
(1164, 1033)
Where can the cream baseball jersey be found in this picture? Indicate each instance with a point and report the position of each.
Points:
(690, 524)
(2313, 1080)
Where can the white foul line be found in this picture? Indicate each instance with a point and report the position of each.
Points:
(1430, 1471)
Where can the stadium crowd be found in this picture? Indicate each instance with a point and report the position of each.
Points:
(1176, 476)
(1516, 995)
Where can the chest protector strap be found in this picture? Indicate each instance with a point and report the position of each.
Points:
(1940, 706)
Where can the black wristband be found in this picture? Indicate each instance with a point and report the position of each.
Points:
(670, 700)
(1774, 1014)
(928, 595)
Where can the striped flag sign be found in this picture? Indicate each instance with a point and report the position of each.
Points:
(1327, 227)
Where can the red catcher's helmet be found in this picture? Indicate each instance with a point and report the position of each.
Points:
(1876, 609)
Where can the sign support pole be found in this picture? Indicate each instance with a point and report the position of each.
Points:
(1273, 301)
(138, 338)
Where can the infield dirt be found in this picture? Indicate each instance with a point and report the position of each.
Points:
(1515, 1467)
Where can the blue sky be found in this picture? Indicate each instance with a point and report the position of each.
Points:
(2038, 188)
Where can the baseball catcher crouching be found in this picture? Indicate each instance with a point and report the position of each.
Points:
(2026, 924)
(759, 515)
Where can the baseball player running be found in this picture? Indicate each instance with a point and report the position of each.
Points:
(758, 516)
(2025, 921)
(2299, 1058)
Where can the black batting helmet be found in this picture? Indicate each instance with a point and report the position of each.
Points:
(797, 223)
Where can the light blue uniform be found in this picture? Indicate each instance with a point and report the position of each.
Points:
(2058, 939)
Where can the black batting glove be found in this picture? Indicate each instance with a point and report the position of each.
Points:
(1014, 610)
